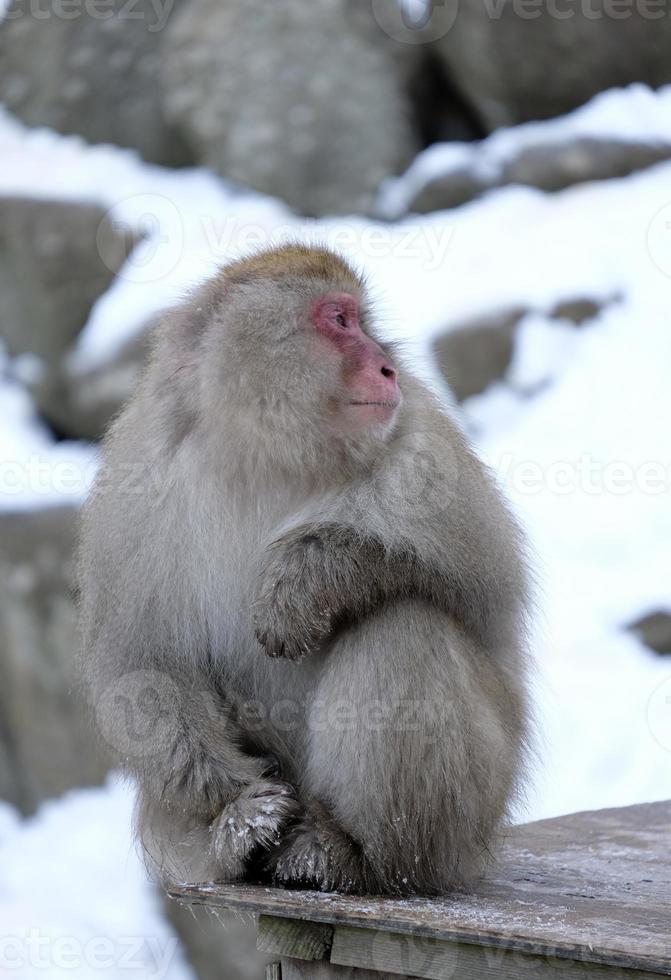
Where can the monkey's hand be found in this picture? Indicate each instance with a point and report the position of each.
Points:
(294, 609)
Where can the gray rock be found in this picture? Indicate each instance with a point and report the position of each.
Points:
(655, 631)
(579, 310)
(81, 404)
(553, 167)
(46, 746)
(92, 71)
(517, 60)
(549, 166)
(302, 101)
(439, 112)
(475, 355)
(51, 271)
(449, 191)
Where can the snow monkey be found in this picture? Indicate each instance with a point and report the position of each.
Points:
(303, 599)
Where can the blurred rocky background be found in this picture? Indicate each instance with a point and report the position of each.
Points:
(374, 109)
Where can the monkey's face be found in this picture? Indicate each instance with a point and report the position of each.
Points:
(364, 395)
(291, 370)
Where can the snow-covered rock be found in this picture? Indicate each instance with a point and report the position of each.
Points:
(613, 135)
(475, 354)
(56, 259)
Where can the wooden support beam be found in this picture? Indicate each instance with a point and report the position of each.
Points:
(294, 938)
(429, 959)
(297, 970)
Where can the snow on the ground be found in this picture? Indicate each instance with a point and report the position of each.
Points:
(578, 435)
(74, 899)
(631, 115)
(35, 471)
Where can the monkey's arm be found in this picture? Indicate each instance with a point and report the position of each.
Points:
(205, 805)
(445, 536)
(315, 578)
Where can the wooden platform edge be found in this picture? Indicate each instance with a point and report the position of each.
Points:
(552, 952)
(382, 953)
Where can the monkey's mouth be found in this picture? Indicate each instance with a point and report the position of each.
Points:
(376, 404)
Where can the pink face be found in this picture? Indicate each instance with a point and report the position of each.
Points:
(372, 392)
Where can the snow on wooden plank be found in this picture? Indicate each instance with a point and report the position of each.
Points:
(593, 887)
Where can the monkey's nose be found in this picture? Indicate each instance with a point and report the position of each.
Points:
(388, 372)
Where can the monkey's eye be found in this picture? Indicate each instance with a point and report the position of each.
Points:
(340, 320)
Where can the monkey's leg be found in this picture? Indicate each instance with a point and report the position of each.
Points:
(317, 853)
(205, 807)
(418, 750)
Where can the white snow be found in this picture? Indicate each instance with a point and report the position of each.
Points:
(589, 471)
(74, 899)
(578, 433)
(34, 470)
(631, 115)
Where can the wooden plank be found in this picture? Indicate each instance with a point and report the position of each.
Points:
(292, 937)
(274, 971)
(297, 970)
(591, 887)
(433, 959)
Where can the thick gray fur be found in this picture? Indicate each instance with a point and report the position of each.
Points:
(379, 746)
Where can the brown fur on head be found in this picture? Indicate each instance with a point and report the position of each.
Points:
(296, 261)
(287, 368)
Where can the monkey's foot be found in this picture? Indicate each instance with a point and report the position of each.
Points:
(318, 854)
(250, 823)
